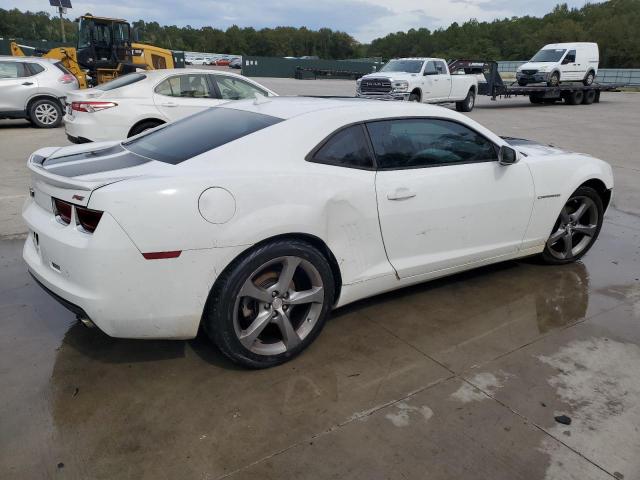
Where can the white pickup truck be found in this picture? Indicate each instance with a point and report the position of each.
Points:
(424, 80)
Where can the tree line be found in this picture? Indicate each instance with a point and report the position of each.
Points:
(614, 25)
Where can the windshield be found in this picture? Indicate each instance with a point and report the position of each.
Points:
(199, 133)
(409, 66)
(550, 55)
(122, 81)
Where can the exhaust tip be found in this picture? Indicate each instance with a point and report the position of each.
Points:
(86, 321)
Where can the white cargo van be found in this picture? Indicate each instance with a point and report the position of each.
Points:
(561, 62)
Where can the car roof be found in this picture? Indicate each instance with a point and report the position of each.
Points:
(163, 72)
(289, 107)
(5, 58)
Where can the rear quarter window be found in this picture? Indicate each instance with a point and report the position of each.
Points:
(122, 81)
(199, 133)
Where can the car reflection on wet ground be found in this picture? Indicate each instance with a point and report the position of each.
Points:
(460, 378)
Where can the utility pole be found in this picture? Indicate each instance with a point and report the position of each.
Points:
(61, 10)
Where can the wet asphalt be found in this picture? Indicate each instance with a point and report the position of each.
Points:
(457, 378)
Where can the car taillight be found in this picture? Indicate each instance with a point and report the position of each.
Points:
(91, 107)
(67, 78)
(62, 211)
(88, 219)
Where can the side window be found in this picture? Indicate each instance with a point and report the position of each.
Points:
(235, 89)
(190, 86)
(13, 70)
(430, 68)
(347, 148)
(571, 57)
(414, 143)
(441, 68)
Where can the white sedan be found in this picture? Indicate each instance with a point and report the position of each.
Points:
(256, 218)
(139, 101)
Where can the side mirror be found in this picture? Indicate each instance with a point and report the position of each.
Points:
(507, 155)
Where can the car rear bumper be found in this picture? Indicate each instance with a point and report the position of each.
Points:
(104, 277)
(94, 127)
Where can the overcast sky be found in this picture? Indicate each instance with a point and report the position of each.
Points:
(364, 19)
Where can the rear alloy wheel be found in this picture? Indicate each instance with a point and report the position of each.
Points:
(45, 113)
(588, 80)
(576, 229)
(271, 304)
(468, 103)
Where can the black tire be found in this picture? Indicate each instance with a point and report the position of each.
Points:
(589, 78)
(221, 307)
(468, 103)
(554, 79)
(414, 97)
(45, 113)
(143, 126)
(535, 99)
(581, 193)
(589, 97)
(522, 83)
(574, 98)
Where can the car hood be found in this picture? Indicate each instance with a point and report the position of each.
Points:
(393, 76)
(535, 65)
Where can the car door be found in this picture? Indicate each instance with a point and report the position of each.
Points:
(17, 85)
(234, 88)
(443, 198)
(185, 94)
(437, 82)
(570, 68)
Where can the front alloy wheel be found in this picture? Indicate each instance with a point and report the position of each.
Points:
(270, 304)
(576, 229)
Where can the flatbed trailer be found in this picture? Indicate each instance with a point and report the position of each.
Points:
(494, 86)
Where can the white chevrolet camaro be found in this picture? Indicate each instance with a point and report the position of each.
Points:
(256, 218)
(140, 101)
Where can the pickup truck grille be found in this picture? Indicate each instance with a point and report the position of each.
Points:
(375, 85)
(529, 72)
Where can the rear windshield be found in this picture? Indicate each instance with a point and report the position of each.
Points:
(549, 55)
(199, 133)
(122, 81)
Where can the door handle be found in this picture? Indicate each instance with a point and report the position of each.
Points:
(401, 194)
(169, 104)
(27, 83)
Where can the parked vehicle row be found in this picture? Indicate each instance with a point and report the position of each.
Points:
(141, 101)
(254, 219)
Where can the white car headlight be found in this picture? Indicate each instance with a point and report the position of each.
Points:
(400, 86)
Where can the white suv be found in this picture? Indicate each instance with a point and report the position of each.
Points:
(34, 88)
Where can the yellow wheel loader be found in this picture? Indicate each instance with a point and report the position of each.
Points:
(105, 50)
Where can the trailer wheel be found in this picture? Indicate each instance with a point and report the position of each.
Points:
(533, 98)
(554, 80)
(589, 97)
(574, 98)
(468, 103)
(588, 80)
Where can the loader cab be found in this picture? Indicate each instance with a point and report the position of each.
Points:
(103, 43)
